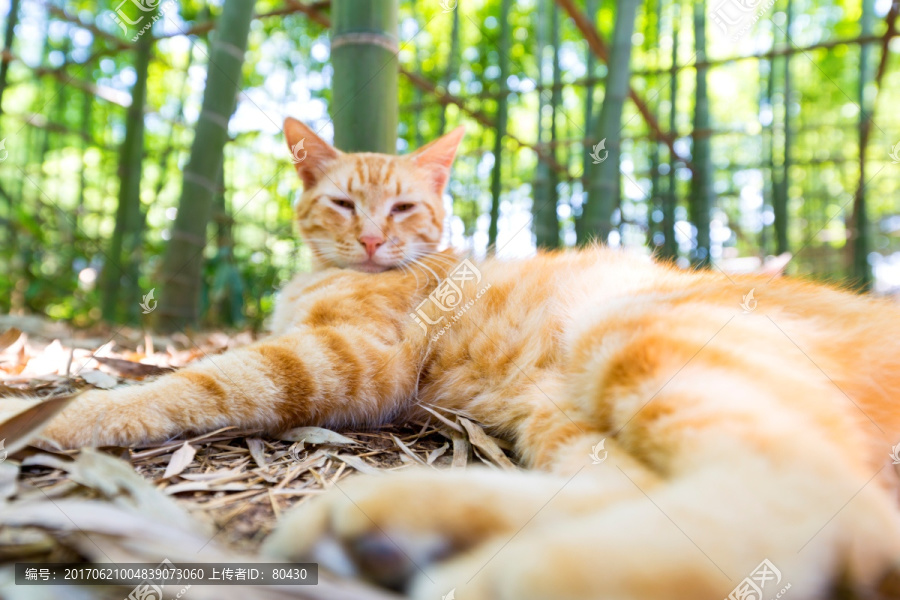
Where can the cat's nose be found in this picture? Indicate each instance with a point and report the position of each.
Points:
(372, 243)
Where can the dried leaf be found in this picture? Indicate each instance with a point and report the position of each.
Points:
(257, 451)
(23, 420)
(99, 379)
(181, 459)
(9, 337)
(358, 464)
(443, 419)
(131, 369)
(461, 449)
(483, 442)
(117, 480)
(315, 435)
(406, 450)
(8, 475)
(437, 453)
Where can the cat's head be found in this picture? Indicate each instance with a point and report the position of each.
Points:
(367, 211)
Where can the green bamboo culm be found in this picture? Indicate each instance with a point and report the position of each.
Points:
(860, 245)
(121, 268)
(179, 302)
(502, 117)
(701, 185)
(546, 198)
(603, 180)
(364, 51)
(582, 236)
(780, 198)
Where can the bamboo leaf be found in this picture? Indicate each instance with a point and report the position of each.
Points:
(315, 435)
(180, 460)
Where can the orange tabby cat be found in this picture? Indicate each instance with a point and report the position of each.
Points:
(679, 433)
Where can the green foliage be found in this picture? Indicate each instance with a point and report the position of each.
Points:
(60, 182)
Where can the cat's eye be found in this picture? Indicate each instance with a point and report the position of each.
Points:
(342, 203)
(403, 207)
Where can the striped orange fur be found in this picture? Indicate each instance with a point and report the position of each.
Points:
(729, 435)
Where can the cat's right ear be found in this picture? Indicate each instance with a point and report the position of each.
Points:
(310, 153)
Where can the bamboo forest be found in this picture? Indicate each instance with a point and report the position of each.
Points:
(142, 156)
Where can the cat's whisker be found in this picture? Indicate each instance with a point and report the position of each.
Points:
(427, 268)
(406, 269)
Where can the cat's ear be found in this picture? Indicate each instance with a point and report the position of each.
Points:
(437, 157)
(310, 153)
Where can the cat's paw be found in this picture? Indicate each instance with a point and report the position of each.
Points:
(400, 529)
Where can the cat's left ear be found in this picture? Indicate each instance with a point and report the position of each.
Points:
(437, 157)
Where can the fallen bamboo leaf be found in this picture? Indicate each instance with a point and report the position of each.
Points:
(483, 442)
(9, 337)
(180, 460)
(315, 435)
(436, 453)
(117, 480)
(443, 419)
(407, 451)
(257, 451)
(99, 379)
(461, 449)
(22, 420)
(8, 475)
(129, 368)
(358, 464)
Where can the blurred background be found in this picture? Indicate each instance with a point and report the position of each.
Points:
(142, 160)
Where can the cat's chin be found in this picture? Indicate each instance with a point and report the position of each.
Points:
(369, 267)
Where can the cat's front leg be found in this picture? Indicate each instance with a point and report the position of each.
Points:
(402, 527)
(328, 375)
